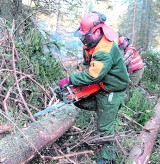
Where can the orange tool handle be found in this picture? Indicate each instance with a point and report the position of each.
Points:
(85, 91)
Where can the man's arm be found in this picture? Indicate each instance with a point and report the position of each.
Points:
(99, 66)
(128, 56)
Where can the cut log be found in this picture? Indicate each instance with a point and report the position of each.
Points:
(143, 148)
(25, 144)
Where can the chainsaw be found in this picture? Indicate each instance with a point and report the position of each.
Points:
(70, 94)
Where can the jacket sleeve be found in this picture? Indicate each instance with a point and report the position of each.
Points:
(127, 58)
(99, 66)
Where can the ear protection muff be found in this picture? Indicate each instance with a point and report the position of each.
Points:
(128, 38)
(102, 18)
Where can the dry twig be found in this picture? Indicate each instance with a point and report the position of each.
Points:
(16, 80)
(5, 100)
(69, 155)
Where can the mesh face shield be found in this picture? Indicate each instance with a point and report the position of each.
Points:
(87, 39)
(90, 40)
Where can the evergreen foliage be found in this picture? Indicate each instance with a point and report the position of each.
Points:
(140, 105)
(151, 77)
(44, 65)
(146, 25)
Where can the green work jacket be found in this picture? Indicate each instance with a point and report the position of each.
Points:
(103, 63)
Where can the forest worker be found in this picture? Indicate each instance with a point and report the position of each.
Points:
(103, 64)
(132, 59)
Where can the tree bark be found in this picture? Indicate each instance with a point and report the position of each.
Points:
(133, 21)
(6, 9)
(25, 144)
(142, 150)
(11, 9)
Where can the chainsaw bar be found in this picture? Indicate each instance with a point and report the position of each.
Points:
(49, 109)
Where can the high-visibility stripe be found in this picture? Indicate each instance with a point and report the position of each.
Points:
(103, 45)
(135, 65)
(136, 62)
(95, 68)
(136, 59)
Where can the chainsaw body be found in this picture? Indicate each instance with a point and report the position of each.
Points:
(70, 93)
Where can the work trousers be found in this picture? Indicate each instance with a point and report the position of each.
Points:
(106, 105)
(136, 76)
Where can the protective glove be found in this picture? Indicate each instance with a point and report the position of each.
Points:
(64, 82)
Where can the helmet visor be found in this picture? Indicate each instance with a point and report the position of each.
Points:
(87, 39)
(79, 32)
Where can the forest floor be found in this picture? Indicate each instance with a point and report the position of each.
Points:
(75, 145)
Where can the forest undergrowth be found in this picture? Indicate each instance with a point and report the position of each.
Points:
(27, 78)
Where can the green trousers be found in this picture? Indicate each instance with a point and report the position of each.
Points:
(106, 105)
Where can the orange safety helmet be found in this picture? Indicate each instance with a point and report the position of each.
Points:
(91, 22)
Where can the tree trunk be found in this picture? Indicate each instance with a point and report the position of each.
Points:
(142, 32)
(142, 150)
(148, 25)
(6, 9)
(25, 144)
(133, 21)
(11, 9)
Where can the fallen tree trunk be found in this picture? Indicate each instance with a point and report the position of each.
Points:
(25, 144)
(143, 148)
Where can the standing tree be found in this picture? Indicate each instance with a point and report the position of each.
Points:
(144, 30)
